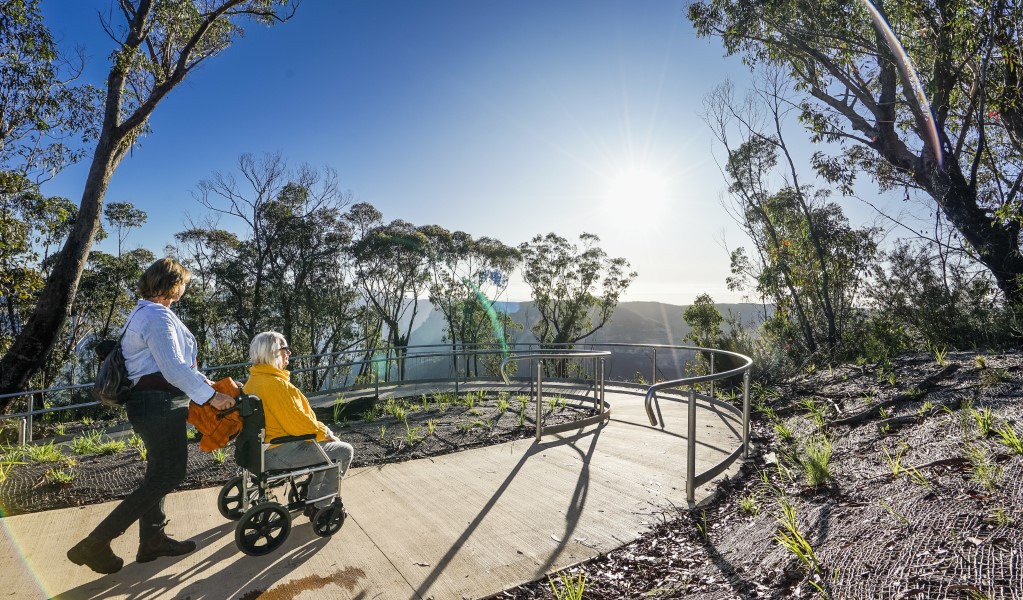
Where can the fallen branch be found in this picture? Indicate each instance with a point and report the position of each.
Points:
(920, 391)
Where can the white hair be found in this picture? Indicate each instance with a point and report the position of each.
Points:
(265, 349)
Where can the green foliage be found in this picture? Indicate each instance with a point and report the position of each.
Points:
(817, 50)
(748, 504)
(902, 518)
(816, 462)
(431, 425)
(59, 475)
(470, 275)
(984, 471)
(92, 443)
(219, 455)
(806, 258)
(48, 452)
(792, 539)
(928, 303)
(135, 441)
(1007, 436)
(569, 590)
(984, 419)
(704, 320)
(575, 290)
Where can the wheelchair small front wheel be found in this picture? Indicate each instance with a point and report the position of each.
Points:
(229, 500)
(329, 519)
(262, 529)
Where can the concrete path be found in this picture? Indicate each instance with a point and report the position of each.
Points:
(466, 525)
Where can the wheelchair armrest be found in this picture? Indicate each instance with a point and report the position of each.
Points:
(284, 439)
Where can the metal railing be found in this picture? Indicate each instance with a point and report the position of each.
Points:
(537, 362)
(337, 368)
(694, 480)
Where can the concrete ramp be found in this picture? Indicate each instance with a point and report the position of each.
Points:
(465, 525)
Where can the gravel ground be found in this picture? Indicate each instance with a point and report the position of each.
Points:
(924, 500)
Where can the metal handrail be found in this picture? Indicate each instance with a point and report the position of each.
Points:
(474, 349)
(603, 412)
(693, 480)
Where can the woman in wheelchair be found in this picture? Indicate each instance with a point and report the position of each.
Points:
(287, 413)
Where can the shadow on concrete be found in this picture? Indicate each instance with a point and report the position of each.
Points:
(576, 503)
(247, 578)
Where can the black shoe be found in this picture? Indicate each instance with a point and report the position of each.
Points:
(96, 555)
(162, 546)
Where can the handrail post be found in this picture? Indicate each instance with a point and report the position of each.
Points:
(29, 423)
(601, 384)
(712, 381)
(691, 452)
(539, 395)
(376, 378)
(745, 414)
(653, 369)
(594, 379)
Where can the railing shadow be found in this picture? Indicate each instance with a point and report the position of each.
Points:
(576, 503)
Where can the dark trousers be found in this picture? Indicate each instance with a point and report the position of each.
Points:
(159, 419)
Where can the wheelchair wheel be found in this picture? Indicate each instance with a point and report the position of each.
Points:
(229, 500)
(262, 529)
(329, 519)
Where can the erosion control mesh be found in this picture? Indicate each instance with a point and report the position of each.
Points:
(97, 479)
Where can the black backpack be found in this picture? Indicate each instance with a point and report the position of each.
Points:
(112, 386)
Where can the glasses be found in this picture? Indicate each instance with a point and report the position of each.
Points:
(286, 349)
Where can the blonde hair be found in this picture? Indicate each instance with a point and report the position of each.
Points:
(165, 278)
(265, 349)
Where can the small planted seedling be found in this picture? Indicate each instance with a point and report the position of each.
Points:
(60, 476)
(219, 455)
(817, 460)
(135, 441)
(1007, 436)
(570, 589)
(749, 505)
(984, 420)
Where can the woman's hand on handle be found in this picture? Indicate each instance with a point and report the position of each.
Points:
(222, 401)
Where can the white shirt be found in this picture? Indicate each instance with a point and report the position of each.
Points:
(157, 340)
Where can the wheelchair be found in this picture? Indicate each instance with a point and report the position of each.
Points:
(263, 522)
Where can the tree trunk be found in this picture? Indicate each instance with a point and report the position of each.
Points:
(36, 340)
(995, 242)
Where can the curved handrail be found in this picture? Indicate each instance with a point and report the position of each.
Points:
(691, 381)
(603, 412)
(693, 480)
(551, 354)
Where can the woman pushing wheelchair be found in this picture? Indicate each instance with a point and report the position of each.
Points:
(288, 413)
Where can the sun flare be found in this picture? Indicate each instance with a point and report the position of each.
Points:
(637, 188)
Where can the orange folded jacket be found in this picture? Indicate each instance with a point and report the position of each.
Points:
(217, 428)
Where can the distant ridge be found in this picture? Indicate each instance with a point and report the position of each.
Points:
(632, 323)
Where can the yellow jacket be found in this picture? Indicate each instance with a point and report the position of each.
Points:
(286, 409)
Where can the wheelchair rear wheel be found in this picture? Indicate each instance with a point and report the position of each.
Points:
(229, 500)
(262, 529)
(328, 520)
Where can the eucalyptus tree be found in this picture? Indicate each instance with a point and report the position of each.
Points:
(289, 269)
(807, 260)
(469, 276)
(160, 42)
(574, 288)
(964, 150)
(43, 117)
(393, 269)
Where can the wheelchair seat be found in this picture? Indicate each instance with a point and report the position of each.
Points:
(263, 522)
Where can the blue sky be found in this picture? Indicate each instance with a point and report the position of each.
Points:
(505, 119)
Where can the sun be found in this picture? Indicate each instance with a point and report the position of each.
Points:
(637, 188)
